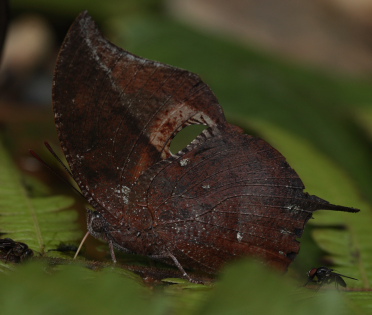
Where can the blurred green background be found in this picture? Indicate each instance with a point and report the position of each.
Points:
(297, 74)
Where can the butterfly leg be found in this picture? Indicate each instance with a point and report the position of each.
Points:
(81, 244)
(177, 263)
(112, 252)
(179, 266)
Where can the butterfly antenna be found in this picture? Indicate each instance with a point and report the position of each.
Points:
(36, 156)
(50, 149)
(81, 244)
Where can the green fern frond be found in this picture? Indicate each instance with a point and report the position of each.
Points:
(41, 222)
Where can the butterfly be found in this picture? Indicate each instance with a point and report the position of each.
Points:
(224, 196)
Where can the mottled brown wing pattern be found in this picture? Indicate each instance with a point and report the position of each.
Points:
(227, 202)
(224, 196)
(122, 110)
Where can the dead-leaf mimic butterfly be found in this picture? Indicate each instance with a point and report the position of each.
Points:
(224, 196)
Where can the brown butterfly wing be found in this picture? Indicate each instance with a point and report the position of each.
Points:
(116, 113)
(228, 195)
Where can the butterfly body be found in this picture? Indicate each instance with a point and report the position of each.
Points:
(226, 195)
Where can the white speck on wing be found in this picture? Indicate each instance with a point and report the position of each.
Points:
(239, 237)
(184, 162)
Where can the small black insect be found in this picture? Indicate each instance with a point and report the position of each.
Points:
(15, 252)
(324, 275)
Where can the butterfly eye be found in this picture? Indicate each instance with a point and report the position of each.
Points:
(185, 137)
(97, 223)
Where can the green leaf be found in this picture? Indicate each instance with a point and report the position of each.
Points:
(247, 287)
(42, 222)
(72, 290)
(363, 117)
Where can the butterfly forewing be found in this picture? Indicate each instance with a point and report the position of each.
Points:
(117, 113)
